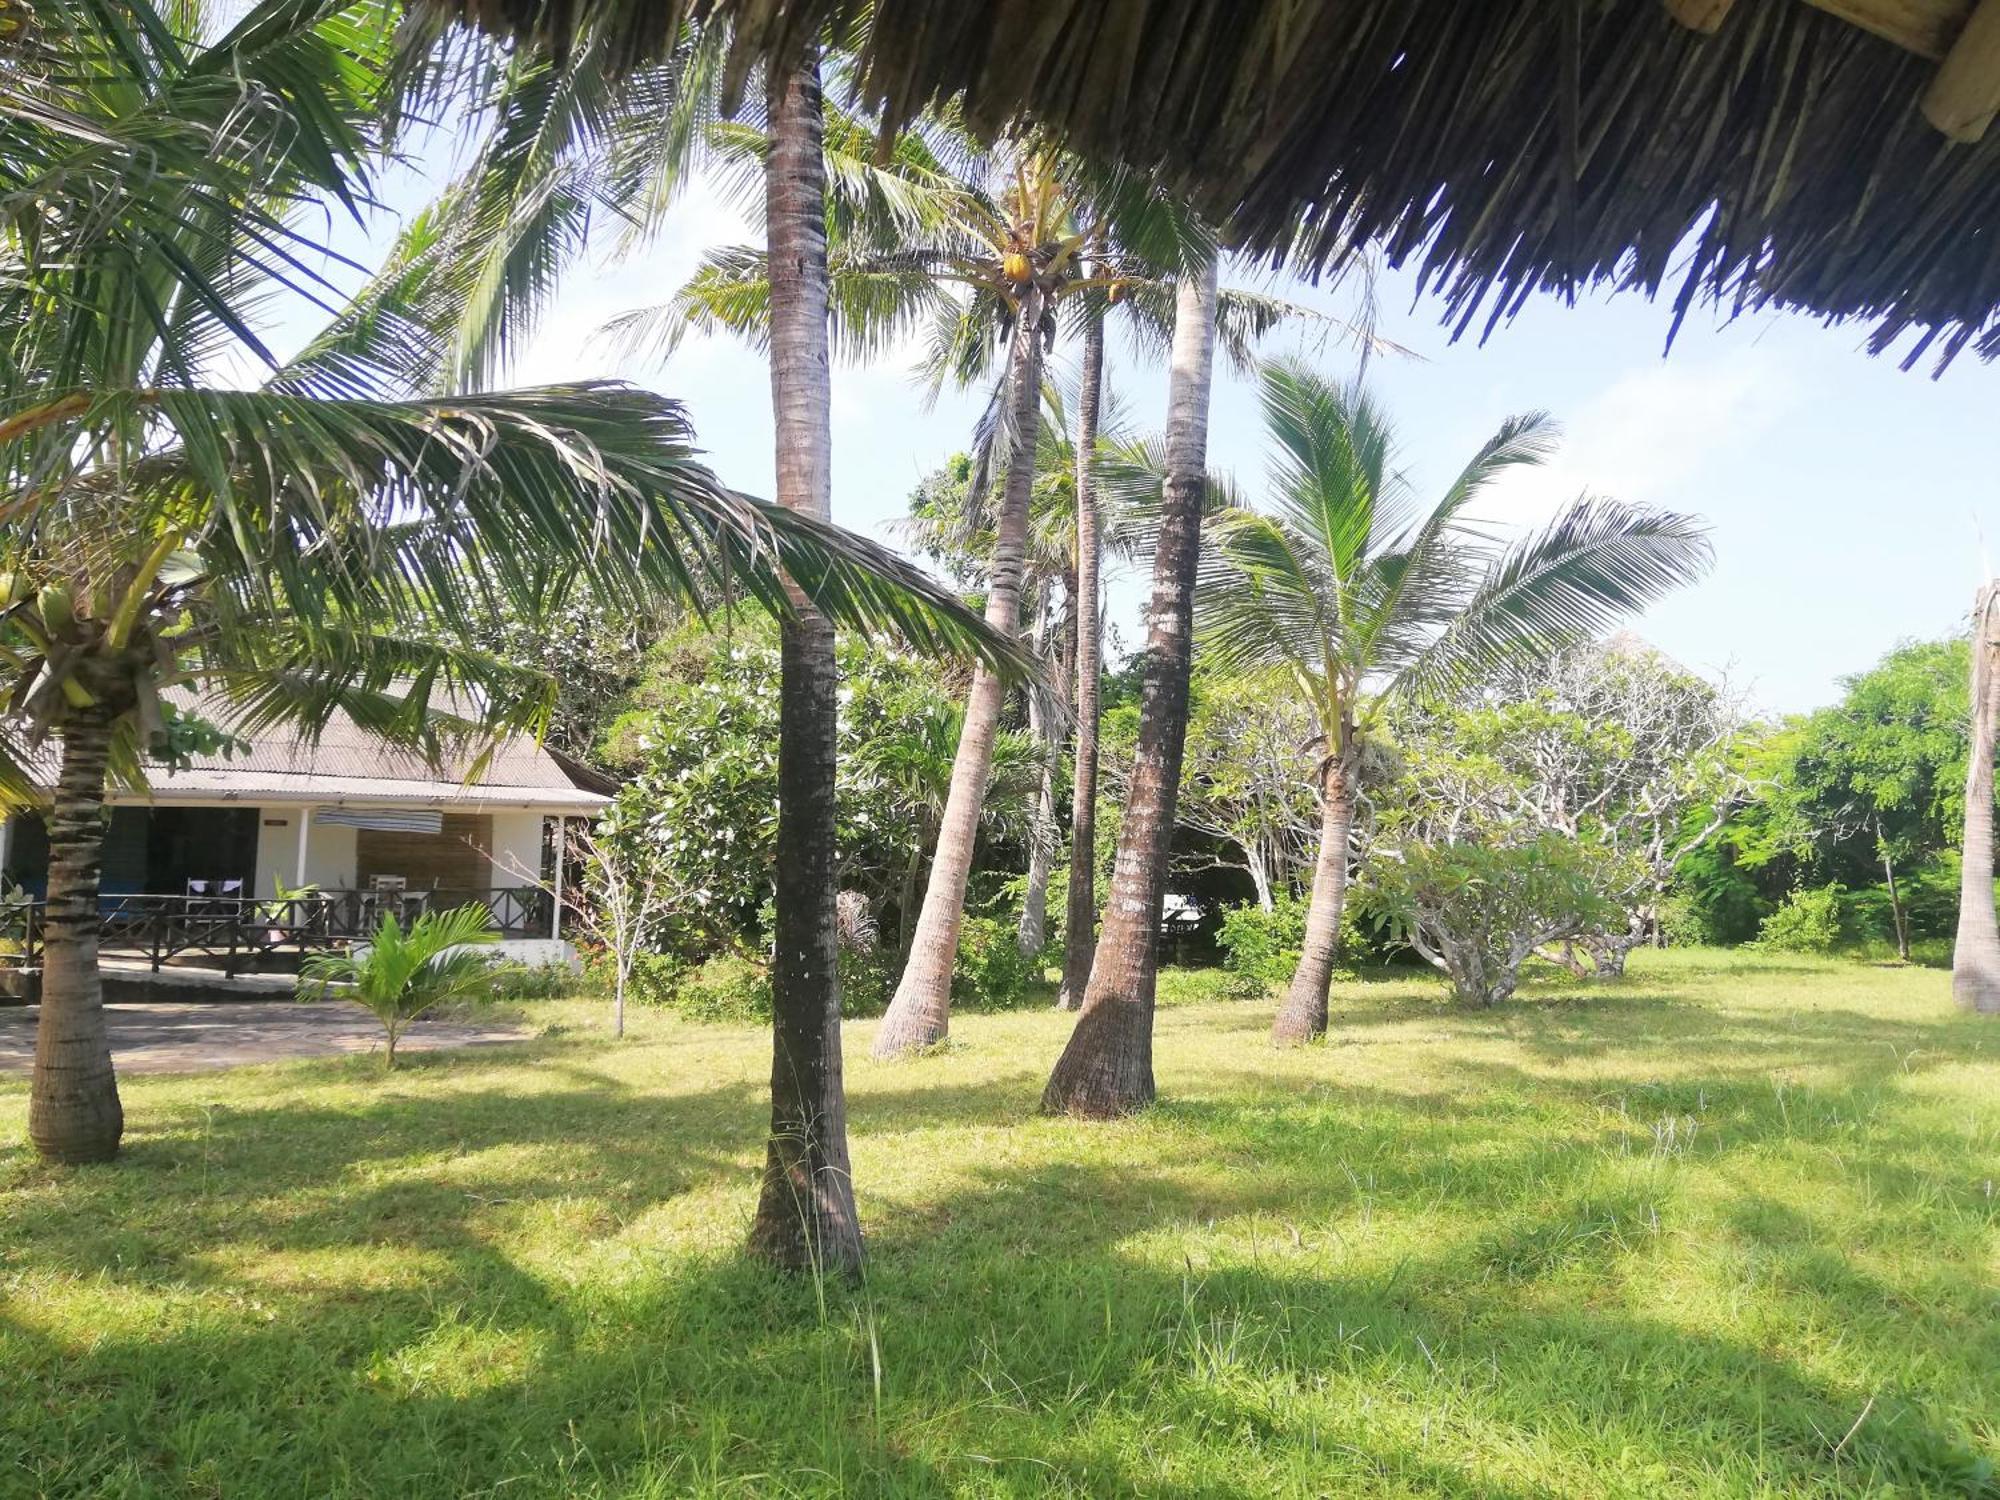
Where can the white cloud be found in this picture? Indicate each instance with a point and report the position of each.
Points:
(1653, 435)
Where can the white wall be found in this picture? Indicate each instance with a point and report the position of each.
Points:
(517, 848)
(329, 852)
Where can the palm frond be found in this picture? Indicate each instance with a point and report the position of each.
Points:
(1595, 563)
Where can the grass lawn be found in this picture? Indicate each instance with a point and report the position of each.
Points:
(1728, 1228)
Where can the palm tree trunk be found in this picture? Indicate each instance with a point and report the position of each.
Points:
(1302, 1017)
(805, 1212)
(1032, 935)
(73, 1111)
(1080, 920)
(920, 1014)
(1975, 957)
(1107, 1068)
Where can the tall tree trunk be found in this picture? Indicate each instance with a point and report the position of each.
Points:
(73, 1110)
(1975, 957)
(1896, 912)
(919, 1015)
(1080, 918)
(1032, 935)
(1107, 1068)
(805, 1212)
(1302, 1017)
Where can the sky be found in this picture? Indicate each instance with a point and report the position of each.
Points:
(1848, 498)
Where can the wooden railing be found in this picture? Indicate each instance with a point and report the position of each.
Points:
(234, 933)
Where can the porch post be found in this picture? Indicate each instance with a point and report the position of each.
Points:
(555, 918)
(305, 827)
(6, 843)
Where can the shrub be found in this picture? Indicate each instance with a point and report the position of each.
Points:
(992, 973)
(1262, 947)
(1808, 922)
(514, 981)
(655, 978)
(1477, 910)
(865, 978)
(727, 988)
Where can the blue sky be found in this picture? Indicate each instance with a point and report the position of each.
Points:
(1847, 497)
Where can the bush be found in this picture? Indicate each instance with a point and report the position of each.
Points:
(1808, 922)
(656, 977)
(992, 973)
(1477, 910)
(1262, 947)
(728, 988)
(864, 982)
(514, 981)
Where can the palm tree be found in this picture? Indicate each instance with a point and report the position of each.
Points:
(915, 765)
(398, 975)
(1106, 1068)
(805, 1211)
(1080, 914)
(1363, 596)
(324, 540)
(988, 269)
(1975, 956)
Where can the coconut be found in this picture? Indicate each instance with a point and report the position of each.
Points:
(1016, 266)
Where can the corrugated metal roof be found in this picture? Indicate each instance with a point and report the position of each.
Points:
(348, 765)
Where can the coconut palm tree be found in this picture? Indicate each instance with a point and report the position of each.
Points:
(323, 540)
(1363, 595)
(1080, 912)
(805, 1211)
(1975, 956)
(990, 263)
(1106, 1068)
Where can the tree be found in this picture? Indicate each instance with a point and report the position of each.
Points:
(1247, 780)
(1609, 743)
(805, 1211)
(1106, 1068)
(1975, 957)
(1477, 905)
(1080, 915)
(622, 898)
(1365, 596)
(397, 976)
(325, 540)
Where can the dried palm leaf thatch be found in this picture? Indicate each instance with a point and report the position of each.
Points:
(1504, 146)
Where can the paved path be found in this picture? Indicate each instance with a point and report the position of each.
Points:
(182, 1038)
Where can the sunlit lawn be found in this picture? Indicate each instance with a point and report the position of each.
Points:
(1726, 1229)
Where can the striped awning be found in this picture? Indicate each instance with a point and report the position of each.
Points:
(382, 819)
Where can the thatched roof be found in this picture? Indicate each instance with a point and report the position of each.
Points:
(1505, 146)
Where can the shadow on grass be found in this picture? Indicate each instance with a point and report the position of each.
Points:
(318, 1298)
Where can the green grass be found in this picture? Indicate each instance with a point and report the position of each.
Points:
(1728, 1228)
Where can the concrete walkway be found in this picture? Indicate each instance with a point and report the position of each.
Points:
(193, 1038)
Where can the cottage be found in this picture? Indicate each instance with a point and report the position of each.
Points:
(295, 844)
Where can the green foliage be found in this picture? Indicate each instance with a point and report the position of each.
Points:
(655, 978)
(696, 742)
(512, 981)
(991, 972)
(1808, 922)
(1881, 774)
(1263, 947)
(1478, 908)
(728, 987)
(401, 973)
